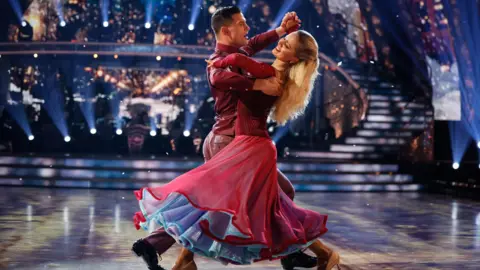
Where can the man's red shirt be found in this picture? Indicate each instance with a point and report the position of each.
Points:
(226, 83)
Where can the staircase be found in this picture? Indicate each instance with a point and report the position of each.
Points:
(392, 120)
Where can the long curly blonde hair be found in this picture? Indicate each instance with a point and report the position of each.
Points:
(300, 80)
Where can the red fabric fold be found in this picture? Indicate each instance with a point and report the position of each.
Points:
(137, 219)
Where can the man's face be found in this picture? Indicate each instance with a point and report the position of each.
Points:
(237, 31)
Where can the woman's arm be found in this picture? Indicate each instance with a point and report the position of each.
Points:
(257, 69)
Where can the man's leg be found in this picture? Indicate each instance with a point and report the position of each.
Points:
(160, 241)
(211, 146)
(156, 243)
(216, 143)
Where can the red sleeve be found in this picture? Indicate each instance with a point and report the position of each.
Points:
(227, 80)
(260, 42)
(257, 69)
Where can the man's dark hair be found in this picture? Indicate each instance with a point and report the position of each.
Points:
(223, 16)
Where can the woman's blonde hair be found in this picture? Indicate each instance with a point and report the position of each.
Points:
(300, 80)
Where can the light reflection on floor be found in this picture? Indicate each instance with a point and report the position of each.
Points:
(92, 229)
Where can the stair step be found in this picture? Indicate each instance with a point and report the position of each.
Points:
(336, 167)
(386, 118)
(386, 85)
(396, 111)
(350, 71)
(352, 178)
(377, 97)
(387, 104)
(358, 188)
(389, 91)
(375, 141)
(333, 155)
(386, 126)
(351, 148)
(358, 78)
(393, 97)
(384, 133)
(362, 148)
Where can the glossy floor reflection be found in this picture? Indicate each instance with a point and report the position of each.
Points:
(92, 229)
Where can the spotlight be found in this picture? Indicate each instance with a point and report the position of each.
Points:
(67, 138)
(119, 131)
(63, 23)
(115, 56)
(186, 133)
(95, 56)
(24, 23)
(105, 24)
(478, 144)
(159, 58)
(93, 130)
(455, 165)
(148, 25)
(153, 133)
(212, 9)
(31, 137)
(191, 27)
(35, 55)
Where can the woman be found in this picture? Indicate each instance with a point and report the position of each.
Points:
(231, 208)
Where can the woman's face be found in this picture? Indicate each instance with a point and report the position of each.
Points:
(285, 50)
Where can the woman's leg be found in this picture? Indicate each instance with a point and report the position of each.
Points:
(185, 261)
(285, 185)
(327, 258)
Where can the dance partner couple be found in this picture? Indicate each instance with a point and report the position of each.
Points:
(234, 208)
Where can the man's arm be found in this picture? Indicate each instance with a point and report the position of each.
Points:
(230, 81)
(223, 79)
(262, 41)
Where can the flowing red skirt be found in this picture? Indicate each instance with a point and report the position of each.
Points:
(240, 182)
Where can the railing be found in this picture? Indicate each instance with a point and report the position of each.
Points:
(120, 49)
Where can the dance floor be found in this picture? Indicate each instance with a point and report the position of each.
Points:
(44, 228)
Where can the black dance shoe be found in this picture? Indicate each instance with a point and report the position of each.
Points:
(298, 259)
(147, 252)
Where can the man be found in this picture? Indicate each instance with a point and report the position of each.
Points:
(231, 31)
